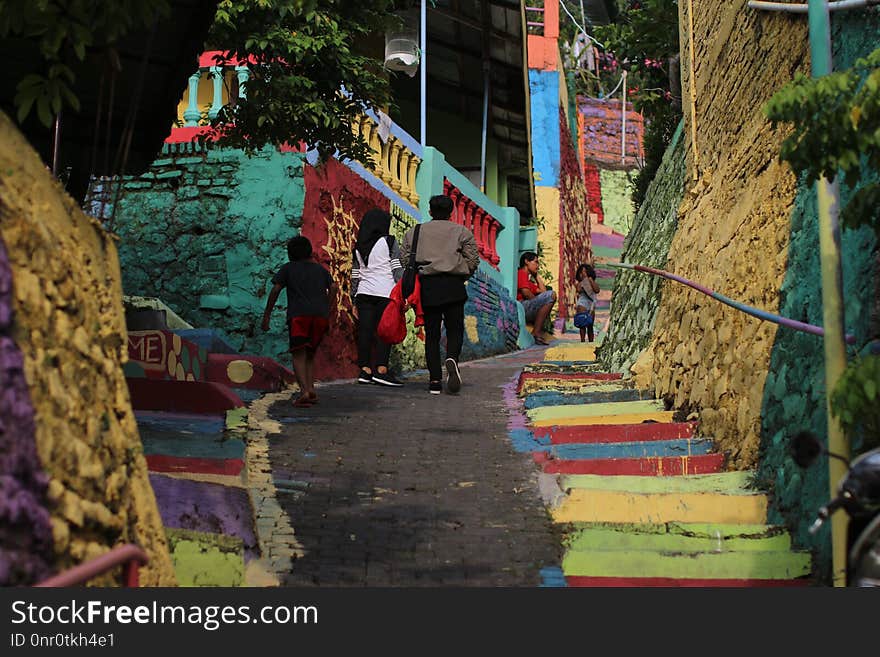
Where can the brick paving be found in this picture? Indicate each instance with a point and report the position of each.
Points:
(396, 487)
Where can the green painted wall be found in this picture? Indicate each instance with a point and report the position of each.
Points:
(202, 559)
(204, 232)
(794, 393)
(636, 296)
(617, 205)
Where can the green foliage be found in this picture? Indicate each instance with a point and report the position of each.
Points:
(643, 41)
(856, 401)
(835, 120)
(301, 54)
(66, 31)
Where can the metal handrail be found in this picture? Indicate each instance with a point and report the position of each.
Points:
(129, 556)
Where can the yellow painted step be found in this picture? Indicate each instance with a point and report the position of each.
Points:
(570, 352)
(629, 418)
(621, 507)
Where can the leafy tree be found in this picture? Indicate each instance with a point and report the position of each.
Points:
(644, 42)
(66, 30)
(835, 123)
(301, 54)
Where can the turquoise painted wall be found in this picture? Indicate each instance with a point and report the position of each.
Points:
(204, 231)
(617, 205)
(794, 392)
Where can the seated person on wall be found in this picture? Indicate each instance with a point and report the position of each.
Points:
(536, 299)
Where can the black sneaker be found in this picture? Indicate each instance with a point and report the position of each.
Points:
(453, 378)
(365, 377)
(386, 379)
(435, 387)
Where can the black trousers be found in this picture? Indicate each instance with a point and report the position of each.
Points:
(452, 315)
(370, 311)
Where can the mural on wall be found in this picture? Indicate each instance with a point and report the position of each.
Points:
(574, 222)
(336, 198)
(69, 330)
(491, 318)
(164, 355)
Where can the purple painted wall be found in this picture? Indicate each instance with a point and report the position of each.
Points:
(25, 531)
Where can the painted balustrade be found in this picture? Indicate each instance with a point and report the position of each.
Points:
(478, 220)
(396, 155)
(210, 73)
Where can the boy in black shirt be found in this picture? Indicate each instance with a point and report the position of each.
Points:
(309, 288)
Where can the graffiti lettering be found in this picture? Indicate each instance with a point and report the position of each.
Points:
(148, 349)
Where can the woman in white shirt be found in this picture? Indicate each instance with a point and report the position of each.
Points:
(375, 268)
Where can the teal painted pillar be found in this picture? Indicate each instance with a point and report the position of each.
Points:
(507, 246)
(192, 115)
(832, 294)
(217, 104)
(243, 76)
(429, 179)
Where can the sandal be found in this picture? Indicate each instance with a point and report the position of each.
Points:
(540, 341)
(303, 402)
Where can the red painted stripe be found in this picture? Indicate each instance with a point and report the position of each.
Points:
(181, 396)
(162, 463)
(616, 433)
(267, 373)
(625, 582)
(650, 467)
(586, 376)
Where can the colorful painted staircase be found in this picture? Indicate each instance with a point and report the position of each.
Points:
(644, 499)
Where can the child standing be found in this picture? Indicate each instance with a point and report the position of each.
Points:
(309, 288)
(588, 290)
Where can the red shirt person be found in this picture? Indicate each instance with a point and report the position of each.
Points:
(536, 299)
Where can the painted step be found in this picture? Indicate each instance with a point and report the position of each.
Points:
(191, 422)
(539, 383)
(628, 418)
(651, 467)
(194, 465)
(657, 448)
(616, 433)
(775, 565)
(653, 508)
(181, 396)
(680, 538)
(550, 414)
(725, 483)
(550, 398)
(215, 446)
(575, 581)
(567, 351)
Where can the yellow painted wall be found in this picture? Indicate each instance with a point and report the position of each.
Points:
(547, 202)
(70, 327)
(733, 230)
(206, 92)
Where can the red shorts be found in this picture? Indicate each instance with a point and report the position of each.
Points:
(307, 331)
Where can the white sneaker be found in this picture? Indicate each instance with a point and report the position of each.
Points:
(453, 378)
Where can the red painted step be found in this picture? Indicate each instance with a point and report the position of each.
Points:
(181, 396)
(625, 582)
(616, 433)
(654, 466)
(162, 463)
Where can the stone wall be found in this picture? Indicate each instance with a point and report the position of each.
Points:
(574, 223)
(794, 394)
(733, 231)
(636, 296)
(206, 231)
(68, 326)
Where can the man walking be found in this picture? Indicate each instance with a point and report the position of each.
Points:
(446, 256)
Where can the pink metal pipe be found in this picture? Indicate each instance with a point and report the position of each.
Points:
(130, 555)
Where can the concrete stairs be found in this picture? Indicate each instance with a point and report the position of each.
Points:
(644, 500)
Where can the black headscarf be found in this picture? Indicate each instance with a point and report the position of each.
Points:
(375, 225)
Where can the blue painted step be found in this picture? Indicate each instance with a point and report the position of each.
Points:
(679, 447)
(550, 398)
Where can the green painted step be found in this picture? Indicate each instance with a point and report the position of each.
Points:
(700, 565)
(726, 483)
(675, 538)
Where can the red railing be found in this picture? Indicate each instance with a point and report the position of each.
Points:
(470, 215)
(129, 556)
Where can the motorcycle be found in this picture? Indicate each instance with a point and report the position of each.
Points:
(858, 494)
